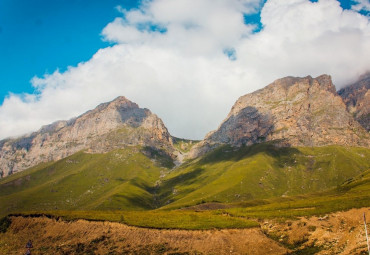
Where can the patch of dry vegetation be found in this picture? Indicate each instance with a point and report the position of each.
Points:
(51, 236)
(335, 233)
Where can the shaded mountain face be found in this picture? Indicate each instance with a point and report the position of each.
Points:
(291, 111)
(357, 99)
(109, 126)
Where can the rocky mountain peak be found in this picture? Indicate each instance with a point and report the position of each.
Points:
(109, 126)
(282, 90)
(118, 102)
(323, 81)
(291, 111)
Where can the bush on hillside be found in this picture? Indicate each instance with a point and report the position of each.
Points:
(4, 224)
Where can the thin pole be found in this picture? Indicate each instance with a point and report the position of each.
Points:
(367, 238)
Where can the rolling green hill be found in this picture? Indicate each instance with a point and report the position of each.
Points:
(120, 179)
(261, 171)
(137, 178)
(354, 193)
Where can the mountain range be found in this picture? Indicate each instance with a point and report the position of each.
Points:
(295, 136)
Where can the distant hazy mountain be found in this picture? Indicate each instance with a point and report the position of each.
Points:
(357, 99)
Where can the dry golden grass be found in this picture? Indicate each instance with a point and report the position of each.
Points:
(82, 237)
(336, 233)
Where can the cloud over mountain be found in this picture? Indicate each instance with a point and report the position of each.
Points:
(188, 61)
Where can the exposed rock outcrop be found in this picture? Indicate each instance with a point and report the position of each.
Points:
(291, 111)
(109, 126)
(357, 99)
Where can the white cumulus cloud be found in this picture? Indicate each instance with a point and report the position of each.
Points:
(189, 60)
(361, 5)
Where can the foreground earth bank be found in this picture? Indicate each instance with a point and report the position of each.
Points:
(336, 233)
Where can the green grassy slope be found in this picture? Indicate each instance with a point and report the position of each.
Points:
(354, 193)
(261, 171)
(120, 179)
(134, 179)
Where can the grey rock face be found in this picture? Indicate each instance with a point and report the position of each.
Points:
(291, 111)
(357, 99)
(109, 126)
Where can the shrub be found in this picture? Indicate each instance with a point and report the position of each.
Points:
(4, 224)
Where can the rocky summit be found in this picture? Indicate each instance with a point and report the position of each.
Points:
(292, 112)
(357, 99)
(109, 126)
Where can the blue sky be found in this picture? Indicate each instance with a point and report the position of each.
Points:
(60, 58)
(39, 36)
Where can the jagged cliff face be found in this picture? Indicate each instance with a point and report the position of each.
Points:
(109, 126)
(292, 111)
(357, 99)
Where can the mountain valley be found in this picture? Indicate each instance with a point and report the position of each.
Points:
(296, 148)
